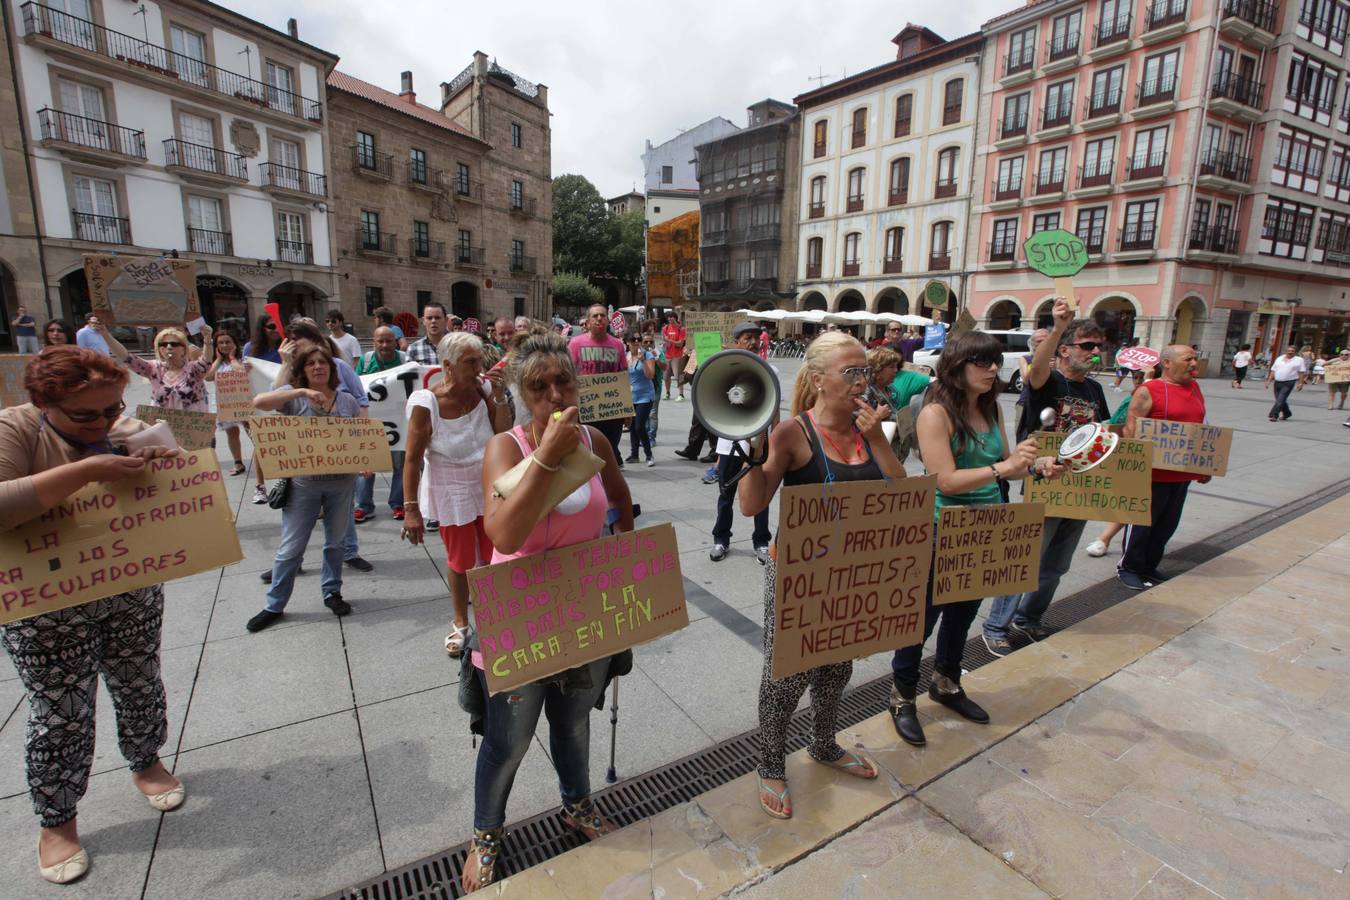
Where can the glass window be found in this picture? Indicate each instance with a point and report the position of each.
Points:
(859, 128)
(516, 137)
(904, 113)
(1044, 222)
(365, 150)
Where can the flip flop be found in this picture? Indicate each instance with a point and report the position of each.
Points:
(854, 765)
(456, 639)
(786, 811)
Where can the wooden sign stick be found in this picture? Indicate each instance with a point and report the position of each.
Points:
(1064, 288)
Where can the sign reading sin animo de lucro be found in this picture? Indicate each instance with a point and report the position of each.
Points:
(543, 614)
(171, 521)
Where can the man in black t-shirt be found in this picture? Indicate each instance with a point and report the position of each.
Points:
(1075, 399)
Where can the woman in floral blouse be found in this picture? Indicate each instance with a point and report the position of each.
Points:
(175, 381)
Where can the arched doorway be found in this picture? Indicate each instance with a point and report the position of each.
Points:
(74, 291)
(812, 300)
(1004, 315)
(224, 304)
(852, 301)
(1116, 317)
(9, 305)
(464, 300)
(1044, 317)
(296, 298)
(1190, 319)
(892, 300)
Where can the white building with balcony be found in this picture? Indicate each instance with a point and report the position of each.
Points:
(886, 160)
(178, 128)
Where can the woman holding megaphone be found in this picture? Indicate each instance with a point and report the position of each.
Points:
(521, 524)
(833, 435)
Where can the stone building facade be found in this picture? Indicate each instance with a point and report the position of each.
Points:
(515, 217)
(21, 276)
(171, 127)
(748, 182)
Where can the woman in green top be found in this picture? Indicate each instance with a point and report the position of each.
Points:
(962, 442)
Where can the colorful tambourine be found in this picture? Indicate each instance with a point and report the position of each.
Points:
(1087, 447)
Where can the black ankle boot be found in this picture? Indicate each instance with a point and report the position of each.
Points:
(950, 694)
(905, 716)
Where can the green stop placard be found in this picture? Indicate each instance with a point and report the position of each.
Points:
(1057, 253)
(936, 294)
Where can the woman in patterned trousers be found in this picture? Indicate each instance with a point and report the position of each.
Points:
(72, 435)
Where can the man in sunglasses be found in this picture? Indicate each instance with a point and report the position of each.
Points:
(1074, 399)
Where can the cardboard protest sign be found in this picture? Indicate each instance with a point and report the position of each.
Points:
(1336, 372)
(1187, 446)
(985, 551)
(294, 446)
(853, 559)
(1118, 490)
(936, 294)
(171, 521)
(387, 392)
(605, 396)
(234, 395)
(965, 321)
(12, 392)
(720, 322)
(543, 614)
(142, 290)
(192, 430)
(707, 343)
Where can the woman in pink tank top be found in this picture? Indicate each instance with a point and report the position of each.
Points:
(547, 382)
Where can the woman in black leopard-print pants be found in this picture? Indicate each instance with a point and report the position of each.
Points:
(778, 699)
(59, 657)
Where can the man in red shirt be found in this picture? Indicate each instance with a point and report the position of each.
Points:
(674, 336)
(1175, 397)
(596, 352)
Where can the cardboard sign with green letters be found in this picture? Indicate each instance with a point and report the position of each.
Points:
(1060, 255)
(936, 294)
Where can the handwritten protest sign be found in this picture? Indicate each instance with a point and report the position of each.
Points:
(984, 551)
(1060, 255)
(1337, 372)
(234, 395)
(853, 559)
(294, 446)
(387, 392)
(543, 614)
(171, 521)
(12, 392)
(192, 430)
(707, 344)
(605, 396)
(1118, 490)
(1187, 446)
(720, 322)
(142, 290)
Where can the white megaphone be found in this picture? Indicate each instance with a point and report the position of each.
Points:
(736, 396)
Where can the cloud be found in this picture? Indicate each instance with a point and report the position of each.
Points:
(620, 73)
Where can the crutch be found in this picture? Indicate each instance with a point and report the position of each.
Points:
(611, 776)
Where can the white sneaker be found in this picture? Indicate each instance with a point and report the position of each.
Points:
(1096, 548)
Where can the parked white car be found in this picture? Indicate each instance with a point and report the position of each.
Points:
(1015, 347)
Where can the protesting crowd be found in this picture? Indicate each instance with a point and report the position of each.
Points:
(494, 459)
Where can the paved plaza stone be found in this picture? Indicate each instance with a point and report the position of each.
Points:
(323, 752)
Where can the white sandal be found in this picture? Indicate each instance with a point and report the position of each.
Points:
(456, 639)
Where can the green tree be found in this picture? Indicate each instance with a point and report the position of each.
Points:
(582, 229)
(627, 248)
(573, 290)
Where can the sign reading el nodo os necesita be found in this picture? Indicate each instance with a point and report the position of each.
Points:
(1056, 253)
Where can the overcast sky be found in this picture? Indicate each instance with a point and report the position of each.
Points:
(620, 73)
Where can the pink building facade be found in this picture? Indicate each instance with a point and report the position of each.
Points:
(1138, 125)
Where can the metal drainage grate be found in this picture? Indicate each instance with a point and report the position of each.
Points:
(542, 837)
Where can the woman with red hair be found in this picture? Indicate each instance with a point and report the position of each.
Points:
(73, 434)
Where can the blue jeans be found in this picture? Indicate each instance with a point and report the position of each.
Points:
(651, 420)
(1058, 542)
(727, 468)
(508, 729)
(308, 498)
(951, 642)
(365, 487)
(638, 433)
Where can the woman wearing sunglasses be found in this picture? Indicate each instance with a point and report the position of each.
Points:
(833, 435)
(175, 381)
(963, 443)
(73, 434)
(266, 341)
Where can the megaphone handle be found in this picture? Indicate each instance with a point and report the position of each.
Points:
(748, 462)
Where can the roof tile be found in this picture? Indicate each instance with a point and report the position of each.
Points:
(365, 90)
